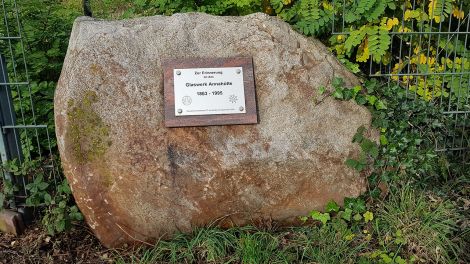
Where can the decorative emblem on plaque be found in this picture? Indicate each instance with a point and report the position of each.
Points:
(187, 100)
(233, 99)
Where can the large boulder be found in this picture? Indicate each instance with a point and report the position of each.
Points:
(136, 180)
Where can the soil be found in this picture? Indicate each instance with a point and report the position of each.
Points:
(79, 245)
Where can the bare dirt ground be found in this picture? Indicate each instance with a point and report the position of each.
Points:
(35, 246)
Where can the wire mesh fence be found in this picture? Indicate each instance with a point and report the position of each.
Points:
(25, 145)
(427, 55)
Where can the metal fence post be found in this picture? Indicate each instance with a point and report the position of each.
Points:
(10, 147)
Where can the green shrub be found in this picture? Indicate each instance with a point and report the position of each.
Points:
(54, 203)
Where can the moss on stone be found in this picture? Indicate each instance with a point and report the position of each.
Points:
(88, 135)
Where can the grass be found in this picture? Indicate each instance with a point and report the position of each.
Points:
(311, 244)
(410, 226)
(425, 222)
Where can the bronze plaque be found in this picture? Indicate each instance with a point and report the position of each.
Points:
(208, 92)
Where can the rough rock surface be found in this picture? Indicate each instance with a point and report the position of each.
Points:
(134, 179)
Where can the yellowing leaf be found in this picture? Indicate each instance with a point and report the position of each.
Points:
(363, 51)
(391, 22)
(457, 13)
(422, 59)
(326, 5)
(349, 237)
(431, 7)
(404, 29)
(408, 4)
(417, 49)
(383, 21)
(368, 216)
(408, 15)
(322, 217)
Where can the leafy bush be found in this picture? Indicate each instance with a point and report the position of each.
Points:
(409, 129)
(366, 27)
(45, 28)
(37, 59)
(55, 203)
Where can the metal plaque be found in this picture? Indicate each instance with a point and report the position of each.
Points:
(209, 91)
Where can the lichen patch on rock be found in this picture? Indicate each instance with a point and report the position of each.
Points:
(87, 134)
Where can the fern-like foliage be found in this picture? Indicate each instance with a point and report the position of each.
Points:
(376, 39)
(242, 3)
(379, 42)
(278, 5)
(215, 7)
(377, 10)
(312, 19)
(355, 38)
(439, 9)
(358, 10)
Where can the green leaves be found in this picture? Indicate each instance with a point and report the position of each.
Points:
(359, 136)
(377, 10)
(352, 206)
(60, 213)
(379, 42)
(357, 205)
(55, 203)
(368, 216)
(37, 191)
(322, 217)
(331, 207)
(47, 199)
(346, 215)
(355, 38)
(370, 148)
(313, 20)
(2, 200)
(375, 38)
(357, 217)
(358, 10)
(358, 165)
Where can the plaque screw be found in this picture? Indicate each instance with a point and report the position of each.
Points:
(238, 71)
(178, 72)
(241, 108)
(180, 111)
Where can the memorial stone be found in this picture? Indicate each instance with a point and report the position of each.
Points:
(135, 179)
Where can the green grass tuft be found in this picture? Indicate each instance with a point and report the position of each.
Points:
(421, 223)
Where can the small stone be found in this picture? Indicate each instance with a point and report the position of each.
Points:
(11, 222)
